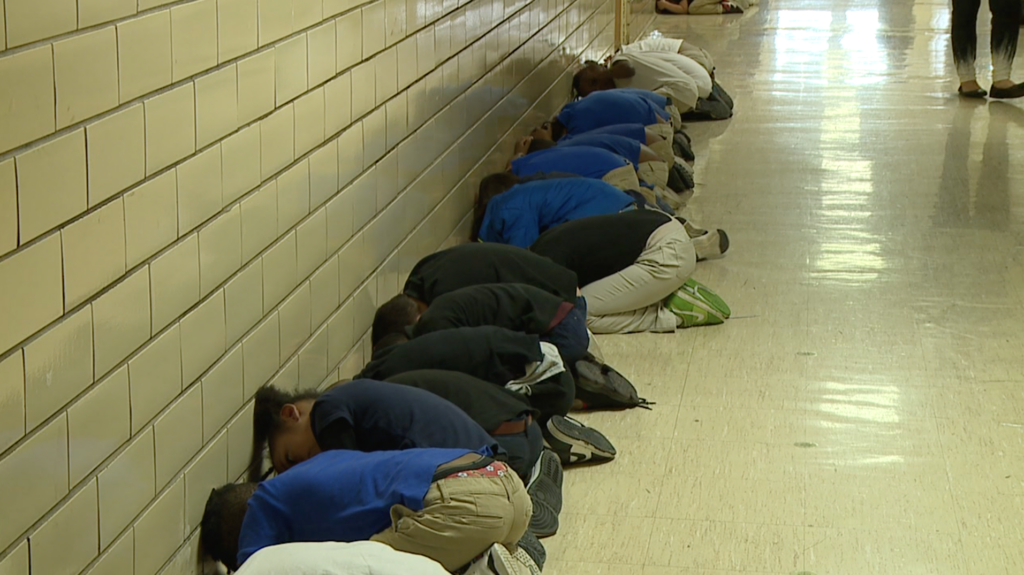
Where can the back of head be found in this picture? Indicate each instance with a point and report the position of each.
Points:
(222, 522)
(490, 187)
(393, 317)
(538, 145)
(266, 420)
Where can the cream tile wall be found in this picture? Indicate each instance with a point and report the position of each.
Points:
(200, 197)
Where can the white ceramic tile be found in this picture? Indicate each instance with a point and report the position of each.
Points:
(349, 40)
(208, 472)
(324, 289)
(98, 424)
(373, 28)
(48, 197)
(275, 20)
(236, 28)
(374, 136)
(202, 337)
(309, 121)
(305, 14)
(291, 74)
(256, 86)
(277, 141)
(395, 20)
(397, 122)
(295, 319)
(160, 530)
(216, 105)
(323, 174)
(27, 89)
(339, 335)
(239, 443)
(240, 161)
(407, 63)
(364, 85)
(121, 320)
(322, 53)
(288, 378)
(311, 238)
(144, 54)
(387, 75)
(178, 434)
(151, 217)
(9, 206)
(126, 486)
(259, 220)
(12, 400)
(155, 376)
(28, 21)
(36, 476)
(260, 353)
(16, 563)
(58, 366)
(98, 11)
(94, 252)
(426, 53)
(193, 38)
(199, 189)
(175, 277)
(338, 104)
(279, 271)
(28, 306)
(68, 540)
(222, 393)
(350, 154)
(170, 128)
(220, 249)
(313, 360)
(116, 151)
(292, 196)
(243, 301)
(118, 559)
(85, 68)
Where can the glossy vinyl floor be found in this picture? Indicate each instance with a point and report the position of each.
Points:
(863, 412)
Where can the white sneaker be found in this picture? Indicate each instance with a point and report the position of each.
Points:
(498, 560)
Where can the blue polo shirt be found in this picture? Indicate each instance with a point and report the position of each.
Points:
(636, 132)
(618, 145)
(387, 416)
(338, 496)
(518, 216)
(609, 107)
(580, 160)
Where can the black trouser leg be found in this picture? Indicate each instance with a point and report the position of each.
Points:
(553, 396)
(1006, 16)
(965, 37)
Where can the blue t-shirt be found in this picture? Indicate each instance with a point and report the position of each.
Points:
(387, 416)
(338, 496)
(580, 160)
(657, 99)
(636, 132)
(609, 107)
(518, 216)
(619, 145)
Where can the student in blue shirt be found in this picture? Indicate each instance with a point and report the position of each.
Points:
(579, 160)
(447, 504)
(512, 212)
(606, 108)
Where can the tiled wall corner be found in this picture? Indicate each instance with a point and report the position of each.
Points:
(201, 197)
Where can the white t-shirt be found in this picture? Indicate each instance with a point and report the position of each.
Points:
(360, 558)
(655, 44)
(681, 78)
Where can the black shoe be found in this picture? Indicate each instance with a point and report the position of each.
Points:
(549, 468)
(544, 520)
(979, 93)
(533, 548)
(1015, 91)
(681, 146)
(574, 442)
(679, 180)
(545, 489)
(598, 385)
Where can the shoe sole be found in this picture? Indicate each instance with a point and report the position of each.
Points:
(576, 435)
(534, 548)
(709, 297)
(544, 521)
(503, 562)
(546, 487)
(603, 380)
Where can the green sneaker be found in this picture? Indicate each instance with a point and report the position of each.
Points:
(696, 305)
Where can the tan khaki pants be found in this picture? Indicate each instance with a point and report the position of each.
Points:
(676, 120)
(655, 173)
(699, 55)
(664, 151)
(461, 518)
(623, 178)
(664, 130)
(631, 300)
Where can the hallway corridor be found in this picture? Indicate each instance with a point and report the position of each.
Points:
(863, 413)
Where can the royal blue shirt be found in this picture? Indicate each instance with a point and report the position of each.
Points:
(580, 160)
(338, 496)
(618, 145)
(518, 216)
(608, 107)
(657, 99)
(636, 132)
(387, 416)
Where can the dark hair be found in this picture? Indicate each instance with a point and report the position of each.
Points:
(589, 66)
(266, 421)
(538, 145)
(222, 522)
(391, 339)
(490, 186)
(394, 316)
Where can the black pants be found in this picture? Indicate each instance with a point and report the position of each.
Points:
(523, 449)
(552, 396)
(1006, 19)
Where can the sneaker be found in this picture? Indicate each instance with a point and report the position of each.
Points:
(681, 146)
(549, 468)
(544, 520)
(730, 8)
(574, 442)
(498, 560)
(534, 548)
(598, 385)
(710, 245)
(694, 304)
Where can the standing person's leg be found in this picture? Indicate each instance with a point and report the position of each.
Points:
(964, 36)
(631, 300)
(1006, 16)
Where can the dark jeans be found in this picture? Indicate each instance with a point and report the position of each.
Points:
(570, 336)
(1006, 19)
(523, 449)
